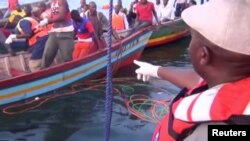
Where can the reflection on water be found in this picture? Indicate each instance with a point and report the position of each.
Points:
(76, 113)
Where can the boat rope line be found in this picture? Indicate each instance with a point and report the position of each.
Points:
(138, 104)
(109, 87)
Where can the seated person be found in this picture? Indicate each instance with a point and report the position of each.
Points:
(88, 41)
(36, 36)
(15, 16)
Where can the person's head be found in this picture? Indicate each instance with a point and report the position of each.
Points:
(42, 6)
(192, 3)
(92, 7)
(119, 2)
(76, 16)
(27, 10)
(143, 1)
(157, 1)
(83, 3)
(220, 45)
(117, 8)
(165, 2)
(18, 7)
(86, 8)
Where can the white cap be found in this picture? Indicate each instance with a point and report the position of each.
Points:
(225, 23)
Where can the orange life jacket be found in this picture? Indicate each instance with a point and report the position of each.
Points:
(37, 32)
(222, 103)
(118, 22)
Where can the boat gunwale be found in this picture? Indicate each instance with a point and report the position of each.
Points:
(67, 65)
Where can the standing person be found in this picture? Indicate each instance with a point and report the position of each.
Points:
(217, 90)
(119, 19)
(83, 9)
(87, 38)
(98, 20)
(37, 37)
(61, 36)
(132, 13)
(145, 11)
(11, 7)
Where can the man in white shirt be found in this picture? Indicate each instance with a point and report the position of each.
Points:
(166, 11)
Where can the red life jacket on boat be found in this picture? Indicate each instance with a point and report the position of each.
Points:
(37, 32)
(222, 103)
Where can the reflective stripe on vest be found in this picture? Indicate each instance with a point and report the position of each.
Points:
(37, 32)
(216, 104)
(118, 22)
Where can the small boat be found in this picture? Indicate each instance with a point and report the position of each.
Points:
(168, 32)
(17, 83)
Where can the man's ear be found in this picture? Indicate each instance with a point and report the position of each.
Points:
(205, 55)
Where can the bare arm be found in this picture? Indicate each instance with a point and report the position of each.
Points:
(179, 77)
(96, 40)
(156, 17)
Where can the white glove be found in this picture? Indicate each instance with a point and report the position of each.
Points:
(44, 22)
(10, 39)
(146, 70)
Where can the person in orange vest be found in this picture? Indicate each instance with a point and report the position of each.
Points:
(119, 19)
(217, 90)
(88, 41)
(28, 28)
(11, 7)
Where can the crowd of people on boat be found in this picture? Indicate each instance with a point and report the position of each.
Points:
(51, 28)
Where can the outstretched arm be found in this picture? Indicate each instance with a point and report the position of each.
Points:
(179, 77)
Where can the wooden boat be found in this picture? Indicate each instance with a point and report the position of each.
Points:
(168, 32)
(18, 84)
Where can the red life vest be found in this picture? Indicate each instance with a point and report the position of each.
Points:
(38, 32)
(218, 104)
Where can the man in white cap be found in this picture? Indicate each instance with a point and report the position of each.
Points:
(217, 91)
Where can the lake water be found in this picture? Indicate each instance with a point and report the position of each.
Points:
(76, 112)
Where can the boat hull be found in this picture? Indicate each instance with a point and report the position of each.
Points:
(168, 32)
(35, 84)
